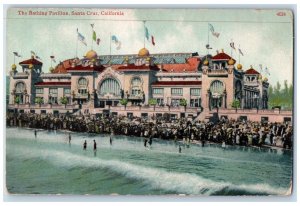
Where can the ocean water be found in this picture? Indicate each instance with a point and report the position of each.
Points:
(48, 164)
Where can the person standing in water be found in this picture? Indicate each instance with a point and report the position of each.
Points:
(84, 145)
(70, 138)
(179, 149)
(110, 140)
(35, 133)
(95, 145)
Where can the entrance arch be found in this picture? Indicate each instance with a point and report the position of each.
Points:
(216, 94)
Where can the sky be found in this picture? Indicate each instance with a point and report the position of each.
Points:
(264, 36)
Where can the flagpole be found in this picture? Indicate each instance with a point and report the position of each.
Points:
(14, 59)
(207, 39)
(144, 33)
(109, 47)
(239, 54)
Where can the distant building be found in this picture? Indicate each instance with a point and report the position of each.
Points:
(97, 83)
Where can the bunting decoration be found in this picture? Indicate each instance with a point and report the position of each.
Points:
(232, 45)
(208, 46)
(152, 40)
(240, 51)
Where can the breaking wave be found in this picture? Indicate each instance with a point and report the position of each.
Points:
(170, 182)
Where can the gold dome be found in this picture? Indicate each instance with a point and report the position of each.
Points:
(265, 79)
(143, 52)
(51, 69)
(30, 66)
(205, 62)
(231, 62)
(239, 67)
(91, 54)
(13, 67)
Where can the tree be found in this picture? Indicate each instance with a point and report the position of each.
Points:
(64, 100)
(39, 100)
(152, 102)
(124, 102)
(183, 102)
(17, 100)
(236, 104)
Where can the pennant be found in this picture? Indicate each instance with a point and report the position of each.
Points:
(267, 71)
(94, 36)
(260, 67)
(16, 54)
(232, 45)
(81, 38)
(98, 41)
(152, 40)
(207, 46)
(240, 51)
(53, 59)
(116, 41)
(32, 53)
(37, 57)
(146, 33)
(212, 29)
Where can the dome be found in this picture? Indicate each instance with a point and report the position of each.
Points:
(51, 69)
(143, 52)
(265, 79)
(239, 67)
(91, 54)
(231, 62)
(205, 62)
(13, 67)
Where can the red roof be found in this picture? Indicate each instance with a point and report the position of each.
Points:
(190, 66)
(251, 71)
(221, 56)
(32, 61)
(87, 68)
(177, 83)
(53, 84)
(133, 67)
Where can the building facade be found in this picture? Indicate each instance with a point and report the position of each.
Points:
(184, 84)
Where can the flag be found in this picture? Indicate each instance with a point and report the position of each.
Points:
(16, 54)
(232, 45)
(260, 67)
(152, 40)
(212, 29)
(81, 38)
(240, 51)
(32, 53)
(92, 25)
(207, 46)
(267, 71)
(146, 33)
(116, 41)
(94, 36)
(98, 41)
(53, 59)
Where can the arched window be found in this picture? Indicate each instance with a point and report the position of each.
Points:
(136, 86)
(110, 86)
(238, 89)
(82, 82)
(20, 87)
(217, 87)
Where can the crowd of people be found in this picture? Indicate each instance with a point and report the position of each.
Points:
(229, 132)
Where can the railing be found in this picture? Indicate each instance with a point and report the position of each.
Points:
(43, 106)
(251, 111)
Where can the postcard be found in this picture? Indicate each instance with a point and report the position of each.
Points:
(195, 102)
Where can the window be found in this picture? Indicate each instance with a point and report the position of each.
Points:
(175, 102)
(67, 91)
(20, 87)
(53, 91)
(136, 81)
(160, 101)
(195, 92)
(176, 91)
(158, 91)
(110, 86)
(39, 90)
(195, 102)
(82, 91)
(217, 87)
(136, 86)
(82, 82)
